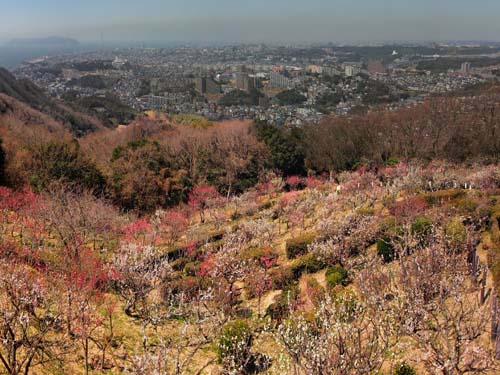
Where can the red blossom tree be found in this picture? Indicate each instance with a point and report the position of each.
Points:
(201, 198)
(409, 207)
(293, 182)
(137, 231)
(174, 223)
(314, 182)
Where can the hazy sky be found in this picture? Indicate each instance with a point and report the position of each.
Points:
(252, 20)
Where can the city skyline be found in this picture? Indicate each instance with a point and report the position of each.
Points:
(273, 21)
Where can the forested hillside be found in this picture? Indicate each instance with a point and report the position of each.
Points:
(32, 96)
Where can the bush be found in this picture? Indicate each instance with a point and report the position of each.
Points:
(392, 161)
(467, 205)
(281, 277)
(336, 275)
(279, 309)
(306, 264)
(298, 246)
(190, 269)
(178, 264)
(266, 206)
(421, 226)
(404, 369)
(442, 196)
(456, 232)
(314, 292)
(236, 216)
(254, 253)
(366, 211)
(389, 226)
(173, 291)
(386, 250)
(235, 343)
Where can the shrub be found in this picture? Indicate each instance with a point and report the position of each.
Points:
(236, 216)
(336, 275)
(254, 253)
(409, 206)
(281, 277)
(467, 205)
(392, 161)
(279, 309)
(421, 228)
(265, 256)
(175, 253)
(456, 232)
(174, 291)
(442, 196)
(306, 264)
(298, 246)
(389, 226)
(366, 211)
(494, 265)
(190, 269)
(243, 312)
(275, 215)
(481, 217)
(178, 264)
(386, 250)
(294, 183)
(235, 343)
(404, 369)
(266, 206)
(201, 196)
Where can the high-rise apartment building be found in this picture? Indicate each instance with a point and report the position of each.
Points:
(352, 70)
(278, 80)
(206, 85)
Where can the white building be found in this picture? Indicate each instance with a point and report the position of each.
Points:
(278, 80)
(352, 70)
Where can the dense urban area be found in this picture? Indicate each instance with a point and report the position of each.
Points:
(279, 84)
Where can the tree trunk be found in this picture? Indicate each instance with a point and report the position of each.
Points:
(86, 347)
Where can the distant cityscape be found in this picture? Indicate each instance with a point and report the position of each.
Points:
(283, 85)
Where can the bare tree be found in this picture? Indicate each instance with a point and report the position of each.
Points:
(346, 336)
(435, 303)
(31, 321)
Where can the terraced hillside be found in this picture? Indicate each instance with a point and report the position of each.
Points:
(393, 270)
